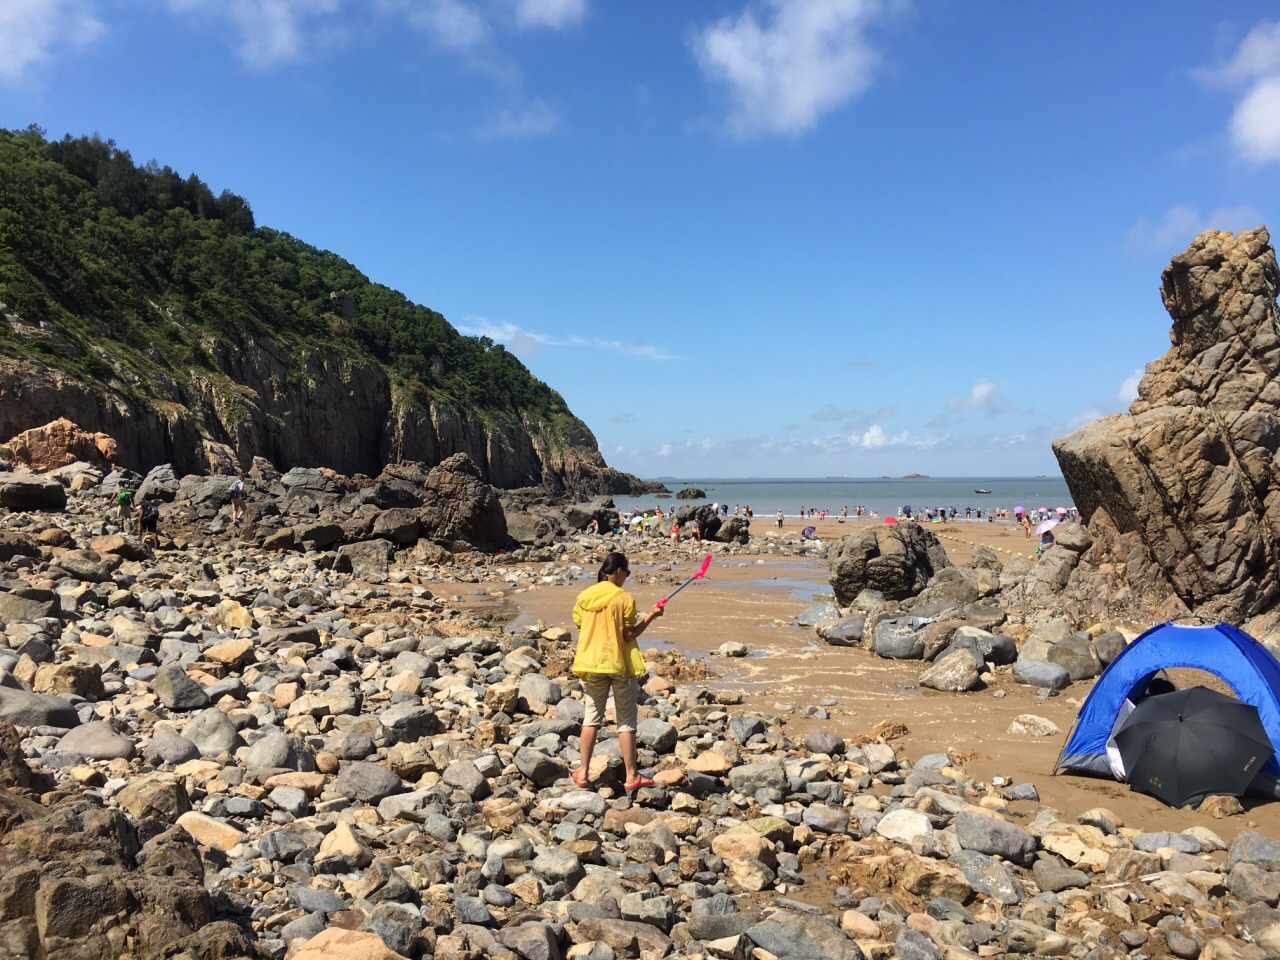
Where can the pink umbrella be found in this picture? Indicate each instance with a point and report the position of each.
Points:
(1061, 511)
(1046, 525)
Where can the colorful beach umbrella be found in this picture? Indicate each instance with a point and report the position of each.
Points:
(1046, 525)
(1019, 511)
(1061, 511)
(890, 519)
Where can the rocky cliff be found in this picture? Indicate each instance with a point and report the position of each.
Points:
(341, 414)
(138, 305)
(1182, 494)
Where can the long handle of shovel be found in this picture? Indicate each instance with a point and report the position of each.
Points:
(702, 572)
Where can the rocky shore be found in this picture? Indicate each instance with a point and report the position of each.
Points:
(287, 744)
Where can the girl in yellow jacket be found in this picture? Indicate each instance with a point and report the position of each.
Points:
(608, 659)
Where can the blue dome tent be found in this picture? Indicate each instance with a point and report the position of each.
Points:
(1225, 651)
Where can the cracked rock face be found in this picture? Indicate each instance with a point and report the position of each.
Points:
(1184, 486)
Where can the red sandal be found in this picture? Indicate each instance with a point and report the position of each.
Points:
(640, 781)
(580, 778)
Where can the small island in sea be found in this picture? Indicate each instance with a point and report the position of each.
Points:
(916, 476)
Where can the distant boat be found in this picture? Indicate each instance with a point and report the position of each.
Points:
(981, 491)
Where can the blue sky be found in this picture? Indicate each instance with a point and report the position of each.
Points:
(741, 237)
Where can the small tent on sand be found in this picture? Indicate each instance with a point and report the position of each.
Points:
(1227, 652)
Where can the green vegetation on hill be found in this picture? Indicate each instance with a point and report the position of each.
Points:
(139, 269)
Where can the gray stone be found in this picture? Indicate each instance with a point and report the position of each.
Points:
(762, 775)
(22, 491)
(824, 741)
(1077, 655)
(954, 672)
(818, 613)
(24, 709)
(281, 751)
(1182, 842)
(657, 735)
(98, 740)
(1041, 673)
(212, 732)
(532, 941)
(900, 638)
(1052, 874)
(397, 925)
(1252, 847)
(825, 819)
(558, 865)
(716, 926)
(989, 876)
(804, 937)
(465, 776)
(913, 945)
(176, 690)
(846, 633)
(315, 901)
(25, 607)
(987, 834)
(367, 782)
(538, 767)
(534, 687)
(166, 746)
(903, 826)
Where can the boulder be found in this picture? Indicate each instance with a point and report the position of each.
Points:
(160, 484)
(1041, 673)
(691, 493)
(1180, 487)
(59, 444)
(459, 509)
(29, 491)
(897, 560)
(900, 638)
(956, 672)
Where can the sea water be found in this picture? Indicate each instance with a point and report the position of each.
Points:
(884, 496)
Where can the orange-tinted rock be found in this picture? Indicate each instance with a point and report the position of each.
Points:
(60, 443)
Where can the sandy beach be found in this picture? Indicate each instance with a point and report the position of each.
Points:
(754, 601)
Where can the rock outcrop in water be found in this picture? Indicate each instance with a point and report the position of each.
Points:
(1181, 494)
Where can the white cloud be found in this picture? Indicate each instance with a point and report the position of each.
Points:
(984, 397)
(1255, 125)
(876, 437)
(453, 23)
(664, 450)
(1128, 391)
(1182, 223)
(1254, 69)
(524, 342)
(270, 32)
(30, 31)
(806, 59)
(535, 120)
(556, 14)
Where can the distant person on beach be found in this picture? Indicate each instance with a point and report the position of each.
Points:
(608, 660)
(124, 506)
(149, 523)
(675, 534)
(594, 526)
(238, 497)
(779, 519)
(695, 530)
(808, 533)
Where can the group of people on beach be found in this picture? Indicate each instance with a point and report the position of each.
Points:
(144, 516)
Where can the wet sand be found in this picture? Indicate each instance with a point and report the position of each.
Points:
(754, 601)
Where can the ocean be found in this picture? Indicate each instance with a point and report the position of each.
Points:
(884, 496)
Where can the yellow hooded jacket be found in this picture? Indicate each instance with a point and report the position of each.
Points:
(601, 614)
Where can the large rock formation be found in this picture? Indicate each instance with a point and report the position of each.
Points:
(896, 560)
(1181, 493)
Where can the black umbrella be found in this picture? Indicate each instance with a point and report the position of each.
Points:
(1189, 744)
